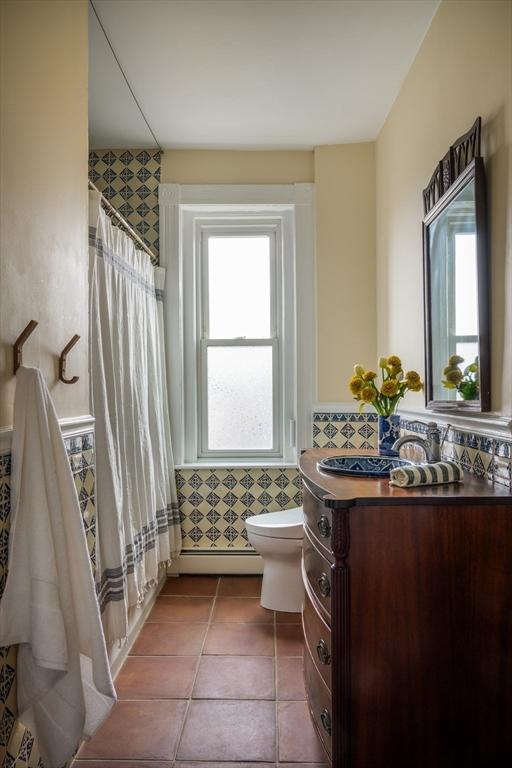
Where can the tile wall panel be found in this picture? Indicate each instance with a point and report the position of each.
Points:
(214, 503)
(476, 453)
(344, 430)
(15, 740)
(129, 179)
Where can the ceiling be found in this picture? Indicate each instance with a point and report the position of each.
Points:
(248, 74)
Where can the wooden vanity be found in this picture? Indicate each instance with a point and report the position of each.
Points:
(408, 620)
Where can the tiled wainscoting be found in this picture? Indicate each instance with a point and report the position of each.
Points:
(483, 456)
(129, 179)
(214, 503)
(344, 430)
(21, 751)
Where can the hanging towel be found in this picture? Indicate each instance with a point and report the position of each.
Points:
(438, 473)
(49, 607)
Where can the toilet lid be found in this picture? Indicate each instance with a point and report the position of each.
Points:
(285, 524)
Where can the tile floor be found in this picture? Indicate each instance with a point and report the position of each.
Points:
(213, 681)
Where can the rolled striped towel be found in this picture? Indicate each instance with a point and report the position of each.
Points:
(426, 474)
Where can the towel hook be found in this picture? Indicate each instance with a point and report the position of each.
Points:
(63, 359)
(17, 348)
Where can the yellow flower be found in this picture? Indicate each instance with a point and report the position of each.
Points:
(417, 387)
(473, 368)
(455, 360)
(369, 376)
(454, 376)
(355, 385)
(450, 368)
(389, 388)
(368, 394)
(394, 361)
(358, 370)
(412, 377)
(383, 361)
(449, 385)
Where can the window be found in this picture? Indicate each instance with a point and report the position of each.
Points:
(240, 304)
(240, 387)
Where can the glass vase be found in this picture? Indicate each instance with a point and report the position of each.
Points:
(389, 432)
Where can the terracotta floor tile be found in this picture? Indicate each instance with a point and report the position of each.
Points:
(240, 586)
(189, 764)
(180, 608)
(298, 741)
(235, 677)
(290, 640)
(204, 586)
(138, 729)
(283, 617)
(245, 609)
(122, 764)
(229, 730)
(156, 677)
(297, 765)
(290, 680)
(169, 639)
(240, 640)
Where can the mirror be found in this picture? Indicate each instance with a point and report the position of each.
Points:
(456, 281)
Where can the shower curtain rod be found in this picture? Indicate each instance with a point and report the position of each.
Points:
(109, 208)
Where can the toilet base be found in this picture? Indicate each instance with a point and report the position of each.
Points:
(282, 588)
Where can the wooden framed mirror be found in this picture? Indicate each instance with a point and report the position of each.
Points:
(456, 280)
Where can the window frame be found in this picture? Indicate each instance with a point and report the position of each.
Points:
(240, 228)
(180, 206)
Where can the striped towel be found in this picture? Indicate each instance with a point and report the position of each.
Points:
(426, 474)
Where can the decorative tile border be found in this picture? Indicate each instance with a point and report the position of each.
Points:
(478, 454)
(129, 179)
(344, 430)
(21, 750)
(214, 503)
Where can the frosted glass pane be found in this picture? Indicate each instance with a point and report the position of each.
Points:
(466, 297)
(240, 398)
(239, 287)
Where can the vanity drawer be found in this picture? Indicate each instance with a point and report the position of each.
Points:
(318, 639)
(319, 519)
(319, 699)
(318, 573)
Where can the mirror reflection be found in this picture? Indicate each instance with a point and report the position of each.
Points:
(454, 297)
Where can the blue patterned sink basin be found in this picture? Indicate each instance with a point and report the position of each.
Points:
(363, 466)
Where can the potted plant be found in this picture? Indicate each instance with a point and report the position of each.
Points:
(384, 396)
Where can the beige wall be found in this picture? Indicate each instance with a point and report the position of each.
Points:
(344, 179)
(43, 245)
(463, 69)
(232, 167)
(345, 257)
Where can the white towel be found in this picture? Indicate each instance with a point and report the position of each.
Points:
(49, 606)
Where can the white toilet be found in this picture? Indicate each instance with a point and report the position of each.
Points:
(277, 536)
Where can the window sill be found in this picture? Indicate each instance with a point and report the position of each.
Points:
(237, 464)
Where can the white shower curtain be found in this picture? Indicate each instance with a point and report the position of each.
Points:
(138, 526)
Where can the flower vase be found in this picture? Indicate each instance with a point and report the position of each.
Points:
(389, 432)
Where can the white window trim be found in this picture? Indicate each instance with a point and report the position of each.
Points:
(175, 201)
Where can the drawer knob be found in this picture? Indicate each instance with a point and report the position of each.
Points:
(325, 717)
(324, 585)
(323, 652)
(324, 526)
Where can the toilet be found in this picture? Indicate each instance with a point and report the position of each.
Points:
(277, 537)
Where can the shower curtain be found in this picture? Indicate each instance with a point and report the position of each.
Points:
(137, 519)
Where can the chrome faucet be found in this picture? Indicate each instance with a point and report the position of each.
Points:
(431, 444)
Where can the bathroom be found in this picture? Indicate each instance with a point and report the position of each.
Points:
(318, 123)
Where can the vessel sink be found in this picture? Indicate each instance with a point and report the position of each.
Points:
(363, 466)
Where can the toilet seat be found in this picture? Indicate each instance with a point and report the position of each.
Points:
(285, 524)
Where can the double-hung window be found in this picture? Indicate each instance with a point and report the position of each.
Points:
(240, 299)
(240, 384)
